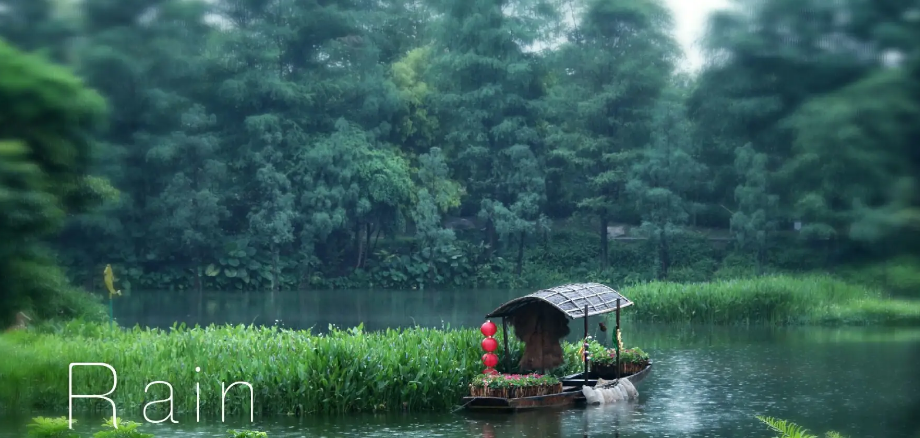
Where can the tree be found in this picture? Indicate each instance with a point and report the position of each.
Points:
(612, 71)
(754, 220)
(488, 93)
(856, 164)
(666, 173)
(50, 118)
(437, 194)
(765, 59)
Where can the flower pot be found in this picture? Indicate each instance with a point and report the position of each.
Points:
(608, 371)
(515, 391)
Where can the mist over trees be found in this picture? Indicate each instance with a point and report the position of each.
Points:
(280, 144)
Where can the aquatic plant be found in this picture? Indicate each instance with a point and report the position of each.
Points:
(775, 299)
(43, 427)
(291, 371)
(788, 429)
(246, 434)
(125, 429)
(607, 356)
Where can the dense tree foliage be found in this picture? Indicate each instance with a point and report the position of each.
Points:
(277, 144)
(45, 150)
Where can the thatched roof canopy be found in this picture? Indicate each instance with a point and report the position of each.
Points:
(570, 299)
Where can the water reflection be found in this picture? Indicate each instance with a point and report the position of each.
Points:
(534, 424)
(316, 309)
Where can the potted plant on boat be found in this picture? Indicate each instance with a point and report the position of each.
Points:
(514, 385)
(603, 360)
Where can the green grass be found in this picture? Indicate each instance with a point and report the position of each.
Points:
(777, 300)
(290, 371)
(60, 427)
(899, 276)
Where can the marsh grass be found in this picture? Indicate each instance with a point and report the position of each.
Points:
(291, 372)
(298, 372)
(773, 300)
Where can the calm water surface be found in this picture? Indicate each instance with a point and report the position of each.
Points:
(707, 381)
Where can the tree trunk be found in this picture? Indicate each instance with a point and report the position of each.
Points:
(605, 242)
(197, 264)
(432, 272)
(376, 238)
(520, 257)
(490, 236)
(359, 245)
(664, 256)
(274, 274)
(368, 232)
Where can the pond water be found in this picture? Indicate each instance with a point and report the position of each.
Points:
(707, 381)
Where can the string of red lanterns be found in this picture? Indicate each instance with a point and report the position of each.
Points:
(489, 344)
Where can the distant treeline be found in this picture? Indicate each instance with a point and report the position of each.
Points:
(275, 144)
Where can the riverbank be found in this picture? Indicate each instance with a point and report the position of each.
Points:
(773, 299)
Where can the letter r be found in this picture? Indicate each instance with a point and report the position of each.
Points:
(71, 396)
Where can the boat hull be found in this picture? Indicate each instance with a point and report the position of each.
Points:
(570, 396)
(561, 400)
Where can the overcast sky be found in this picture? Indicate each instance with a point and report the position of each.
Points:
(690, 17)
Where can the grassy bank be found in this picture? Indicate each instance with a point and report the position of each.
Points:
(776, 299)
(290, 371)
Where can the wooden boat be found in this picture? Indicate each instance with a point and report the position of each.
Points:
(574, 301)
(570, 396)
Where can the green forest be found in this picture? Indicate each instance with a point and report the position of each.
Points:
(280, 144)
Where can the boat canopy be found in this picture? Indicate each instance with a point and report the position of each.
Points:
(570, 299)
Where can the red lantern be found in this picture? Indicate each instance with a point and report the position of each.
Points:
(488, 328)
(491, 371)
(489, 360)
(489, 344)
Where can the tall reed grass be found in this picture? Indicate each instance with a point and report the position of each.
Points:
(776, 300)
(291, 372)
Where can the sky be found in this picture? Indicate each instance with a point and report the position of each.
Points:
(690, 18)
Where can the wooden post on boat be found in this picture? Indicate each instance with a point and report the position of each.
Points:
(505, 340)
(585, 356)
(616, 339)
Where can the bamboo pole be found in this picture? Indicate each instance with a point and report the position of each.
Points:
(616, 339)
(585, 356)
(505, 340)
